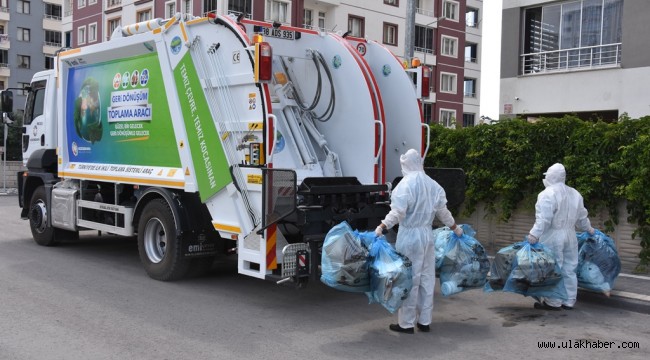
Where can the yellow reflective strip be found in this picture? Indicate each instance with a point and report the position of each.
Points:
(196, 21)
(229, 228)
(170, 23)
(157, 30)
(183, 32)
(121, 179)
(69, 52)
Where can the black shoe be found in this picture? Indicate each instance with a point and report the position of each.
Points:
(424, 328)
(545, 306)
(397, 328)
(566, 307)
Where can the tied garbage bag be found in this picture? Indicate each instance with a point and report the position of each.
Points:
(461, 261)
(534, 272)
(391, 274)
(502, 266)
(598, 262)
(344, 260)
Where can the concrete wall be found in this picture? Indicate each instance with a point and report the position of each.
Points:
(495, 235)
(12, 168)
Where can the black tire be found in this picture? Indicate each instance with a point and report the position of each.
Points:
(158, 245)
(42, 233)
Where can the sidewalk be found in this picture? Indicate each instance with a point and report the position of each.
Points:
(631, 292)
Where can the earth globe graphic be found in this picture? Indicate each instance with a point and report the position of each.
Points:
(87, 118)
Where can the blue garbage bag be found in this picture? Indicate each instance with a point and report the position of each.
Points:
(344, 260)
(461, 262)
(598, 262)
(441, 236)
(391, 274)
(534, 271)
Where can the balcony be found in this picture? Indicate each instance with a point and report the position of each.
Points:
(4, 14)
(4, 70)
(323, 2)
(584, 58)
(51, 22)
(50, 48)
(113, 4)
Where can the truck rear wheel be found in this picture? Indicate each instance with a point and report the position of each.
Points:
(158, 245)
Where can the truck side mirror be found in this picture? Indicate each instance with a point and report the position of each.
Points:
(6, 101)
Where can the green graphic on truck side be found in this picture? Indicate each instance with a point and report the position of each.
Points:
(210, 163)
(117, 112)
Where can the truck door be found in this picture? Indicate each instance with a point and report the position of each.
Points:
(34, 120)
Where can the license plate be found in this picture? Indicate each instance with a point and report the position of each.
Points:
(278, 33)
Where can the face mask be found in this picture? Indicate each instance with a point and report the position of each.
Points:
(545, 182)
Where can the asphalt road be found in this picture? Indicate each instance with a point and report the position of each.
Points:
(92, 300)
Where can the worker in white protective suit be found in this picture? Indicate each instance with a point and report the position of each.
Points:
(414, 203)
(559, 211)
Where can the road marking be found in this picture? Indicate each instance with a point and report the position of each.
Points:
(635, 276)
(630, 295)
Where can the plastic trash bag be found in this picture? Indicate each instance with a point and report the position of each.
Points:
(461, 262)
(598, 262)
(344, 260)
(391, 273)
(533, 272)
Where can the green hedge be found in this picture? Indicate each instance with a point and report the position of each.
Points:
(504, 162)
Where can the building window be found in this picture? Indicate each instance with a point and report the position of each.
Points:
(308, 19)
(143, 15)
(170, 9)
(448, 82)
(449, 46)
(566, 35)
(427, 112)
(23, 86)
(81, 35)
(112, 25)
(81, 4)
(356, 26)
(53, 38)
(24, 62)
(471, 52)
(187, 6)
(92, 2)
(471, 17)
(49, 62)
(22, 34)
(238, 7)
(92, 32)
(23, 7)
(447, 118)
(4, 58)
(210, 6)
(423, 39)
(53, 11)
(321, 20)
(277, 11)
(390, 34)
(468, 119)
(450, 10)
(2, 85)
(469, 87)
(392, 2)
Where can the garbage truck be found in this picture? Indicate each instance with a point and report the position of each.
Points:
(210, 136)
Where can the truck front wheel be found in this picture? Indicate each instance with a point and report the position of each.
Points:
(158, 245)
(42, 233)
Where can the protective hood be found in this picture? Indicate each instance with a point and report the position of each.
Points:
(556, 174)
(411, 162)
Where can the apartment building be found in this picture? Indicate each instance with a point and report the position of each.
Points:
(30, 36)
(583, 57)
(447, 34)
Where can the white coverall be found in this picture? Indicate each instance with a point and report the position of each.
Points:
(558, 212)
(414, 203)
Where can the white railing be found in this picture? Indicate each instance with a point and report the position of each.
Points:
(572, 59)
(4, 9)
(51, 17)
(4, 65)
(469, 94)
(53, 44)
(4, 37)
(471, 60)
(111, 3)
(422, 50)
(424, 12)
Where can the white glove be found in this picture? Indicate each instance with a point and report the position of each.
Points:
(379, 231)
(531, 239)
(458, 231)
(591, 231)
